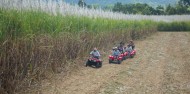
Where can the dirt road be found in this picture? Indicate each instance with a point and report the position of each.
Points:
(161, 66)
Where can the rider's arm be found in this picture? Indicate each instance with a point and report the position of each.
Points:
(98, 53)
(91, 53)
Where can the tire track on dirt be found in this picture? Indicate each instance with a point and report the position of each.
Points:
(145, 72)
(176, 72)
(148, 72)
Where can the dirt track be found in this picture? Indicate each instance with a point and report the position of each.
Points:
(161, 66)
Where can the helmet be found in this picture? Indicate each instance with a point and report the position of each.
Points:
(95, 49)
(114, 48)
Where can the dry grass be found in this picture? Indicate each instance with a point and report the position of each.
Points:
(26, 61)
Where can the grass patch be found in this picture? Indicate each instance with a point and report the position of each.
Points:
(174, 26)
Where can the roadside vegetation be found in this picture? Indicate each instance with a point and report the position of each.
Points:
(174, 26)
(34, 43)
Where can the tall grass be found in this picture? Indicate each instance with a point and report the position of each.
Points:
(31, 22)
(174, 26)
(34, 42)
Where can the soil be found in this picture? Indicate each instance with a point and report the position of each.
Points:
(161, 66)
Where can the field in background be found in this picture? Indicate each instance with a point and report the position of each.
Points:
(56, 7)
(37, 37)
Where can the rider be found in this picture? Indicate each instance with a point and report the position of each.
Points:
(121, 47)
(129, 49)
(125, 49)
(116, 52)
(95, 53)
(131, 44)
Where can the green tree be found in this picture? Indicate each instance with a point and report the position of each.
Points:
(118, 7)
(148, 10)
(81, 3)
(159, 10)
(138, 8)
(170, 10)
(128, 8)
(134, 8)
(108, 7)
(181, 9)
(184, 2)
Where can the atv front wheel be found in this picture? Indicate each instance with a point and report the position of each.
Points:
(87, 63)
(98, 65)
(132, 56)
(125, 57)
(110, 61)
(119, 61)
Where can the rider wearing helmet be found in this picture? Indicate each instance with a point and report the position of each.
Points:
(121, 47)
(116, 52)
(129, 49)
(95, 53)
(131, 44)
(125, 49)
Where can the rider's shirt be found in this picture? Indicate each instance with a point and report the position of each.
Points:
(95, 53)
(116, 53)
(129, 48)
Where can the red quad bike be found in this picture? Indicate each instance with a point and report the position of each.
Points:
(132, 54)
(125, 54)
(114, 59)
(94, 62)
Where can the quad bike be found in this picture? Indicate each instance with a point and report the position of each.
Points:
(132, 54)
(94, 62)
(125, 54)
(116, 59)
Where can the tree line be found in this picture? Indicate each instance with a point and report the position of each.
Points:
(182, 7)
